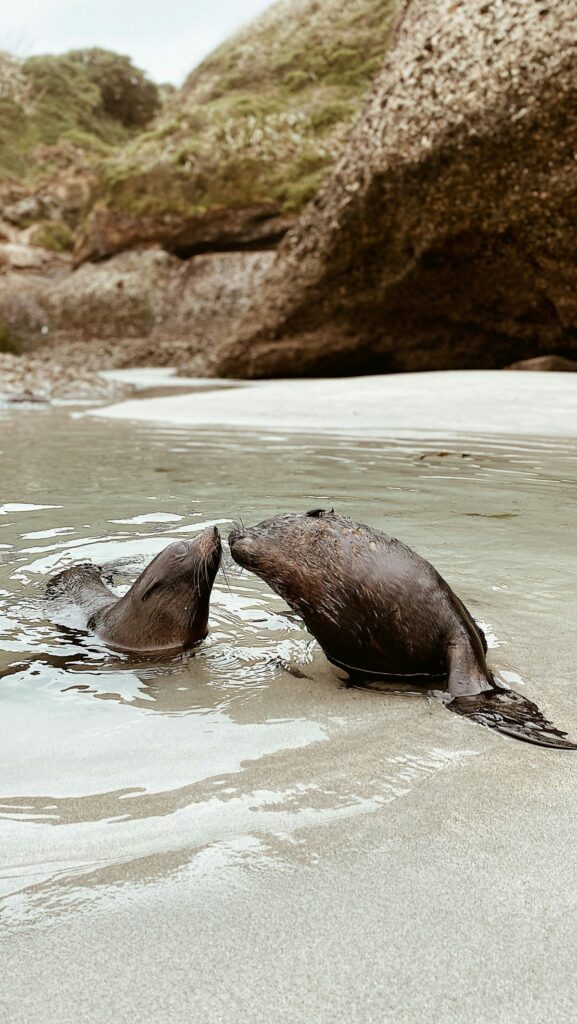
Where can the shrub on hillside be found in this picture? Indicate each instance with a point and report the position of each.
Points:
(127, 95)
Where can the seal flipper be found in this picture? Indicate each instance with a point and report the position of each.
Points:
(475, 694)
(468, 673)
(513, 715)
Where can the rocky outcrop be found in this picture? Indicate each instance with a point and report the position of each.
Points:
(59, 117)
(56, 195)
(150, 294)
(24, 379)
(26, 272)
(444, 235)
(137, 308)
(549, 364)
(109, 231)
(16, 256)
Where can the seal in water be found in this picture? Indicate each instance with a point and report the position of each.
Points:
(379, 610)
(165, 609)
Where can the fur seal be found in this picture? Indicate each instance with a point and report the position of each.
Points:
(165, 609)
(380, 610)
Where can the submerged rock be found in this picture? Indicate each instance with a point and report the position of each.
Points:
(444, 235)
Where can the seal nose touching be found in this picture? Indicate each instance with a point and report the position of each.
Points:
(210, 544)
(244, 549)
(235, 534)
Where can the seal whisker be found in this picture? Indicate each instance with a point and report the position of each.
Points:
(226, 580)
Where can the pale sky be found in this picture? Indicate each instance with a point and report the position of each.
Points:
(166, 38)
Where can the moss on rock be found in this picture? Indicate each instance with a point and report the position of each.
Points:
(52, 235)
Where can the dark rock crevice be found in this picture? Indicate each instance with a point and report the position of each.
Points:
(264, 244)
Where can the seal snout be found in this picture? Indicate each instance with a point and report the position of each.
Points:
(237, 533)
(210, 545)
(241, 543)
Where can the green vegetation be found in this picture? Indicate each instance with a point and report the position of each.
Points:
(90, 98)
(126, 95)
(259, 119)
(53, 235)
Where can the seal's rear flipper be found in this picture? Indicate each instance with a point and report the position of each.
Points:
(513, 715)
(476, 694)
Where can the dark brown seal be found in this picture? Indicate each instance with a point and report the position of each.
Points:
(379, 610)
(165, 609)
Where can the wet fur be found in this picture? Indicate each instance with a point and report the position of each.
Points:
(165, 609)
(378, 609)
(361, 593)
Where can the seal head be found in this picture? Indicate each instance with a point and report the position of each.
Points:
(380, 610)
(165, 609)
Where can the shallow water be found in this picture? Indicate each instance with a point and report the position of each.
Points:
(115, 772)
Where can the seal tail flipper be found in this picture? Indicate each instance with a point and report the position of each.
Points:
(475, 694)
(513, 715)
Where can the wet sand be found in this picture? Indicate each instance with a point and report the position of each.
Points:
(405, 866)
(456, 904)
(480, 401)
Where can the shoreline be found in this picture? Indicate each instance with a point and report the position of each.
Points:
(392, 865)
(439, 403)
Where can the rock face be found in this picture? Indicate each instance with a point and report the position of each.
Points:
(58, 194)
(445, 234)
(59, 117)
(256, 226)
(137, 308)
(549, 364)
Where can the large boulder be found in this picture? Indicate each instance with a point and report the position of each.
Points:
(444, 235)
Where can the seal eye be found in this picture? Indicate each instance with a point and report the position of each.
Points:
(180, 549)
(318, 513)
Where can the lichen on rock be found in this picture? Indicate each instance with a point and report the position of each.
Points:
(444, 234)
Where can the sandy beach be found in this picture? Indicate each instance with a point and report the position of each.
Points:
(468, 402)
(399, 864)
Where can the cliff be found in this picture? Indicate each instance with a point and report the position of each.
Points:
(59, 117)
(444, 235)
